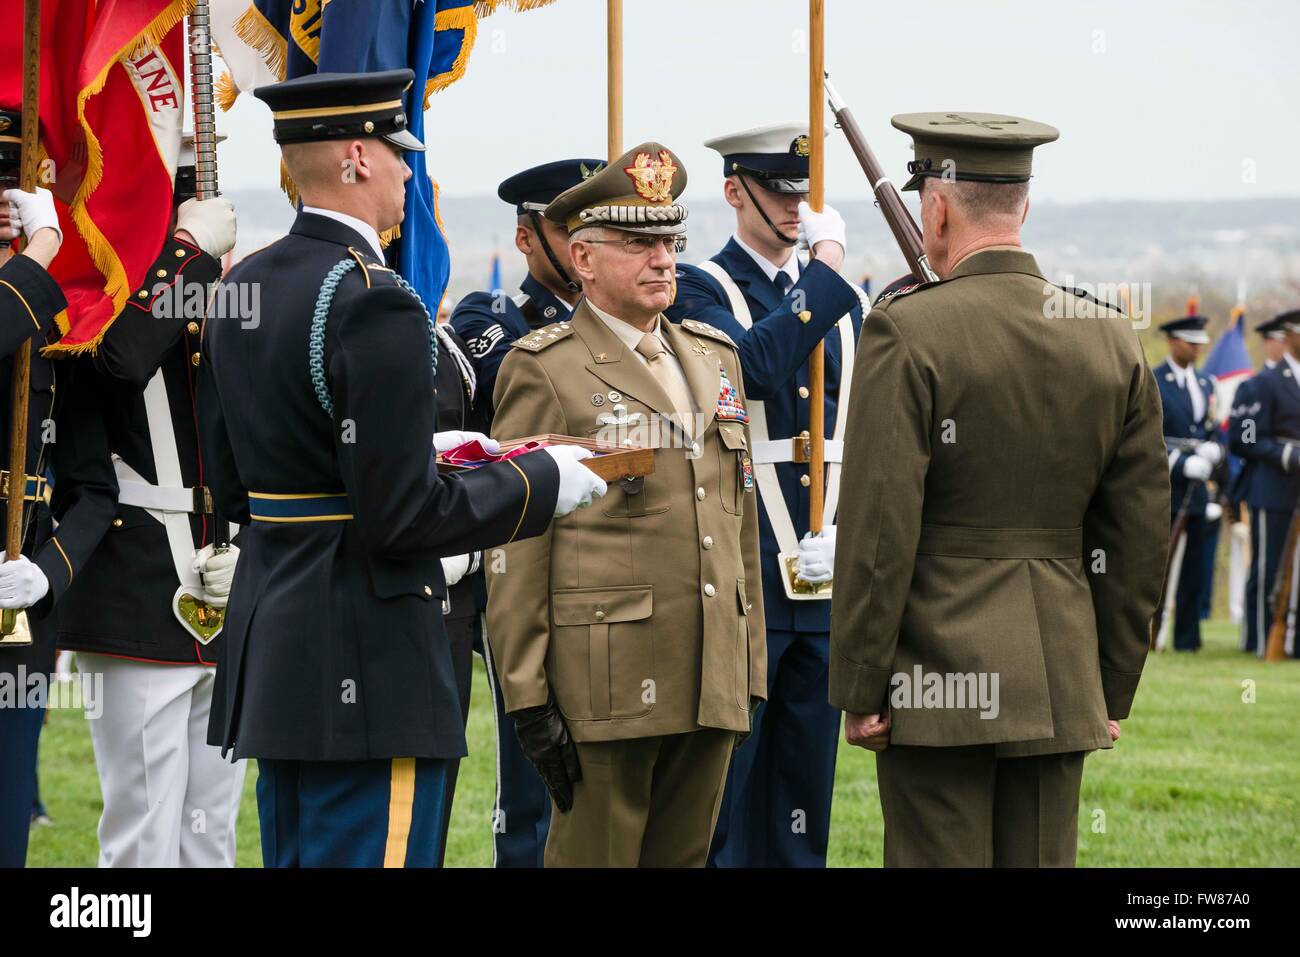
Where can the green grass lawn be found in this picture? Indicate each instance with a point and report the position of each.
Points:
(1200, 777)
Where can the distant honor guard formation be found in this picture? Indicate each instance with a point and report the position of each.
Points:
(633, 487)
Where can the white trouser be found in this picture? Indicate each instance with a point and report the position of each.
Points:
(170, 799)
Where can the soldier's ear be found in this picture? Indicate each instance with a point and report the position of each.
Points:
(731, 192)
(1024, 213)
(360, 158)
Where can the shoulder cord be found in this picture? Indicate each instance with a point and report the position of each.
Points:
(316, 339)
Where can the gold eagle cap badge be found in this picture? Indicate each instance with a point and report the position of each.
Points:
(800, 146)
(589, 172)
(653, 178)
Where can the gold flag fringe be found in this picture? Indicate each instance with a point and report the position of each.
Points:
(256, 31)
(226, 91)
(116, 286)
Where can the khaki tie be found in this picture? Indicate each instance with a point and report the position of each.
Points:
(659, 363)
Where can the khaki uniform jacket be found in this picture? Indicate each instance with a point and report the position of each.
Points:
(644, 612)
(1007, 514)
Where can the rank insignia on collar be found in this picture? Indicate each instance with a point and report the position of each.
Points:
(653, 178)
(699, 350)
(729, 404)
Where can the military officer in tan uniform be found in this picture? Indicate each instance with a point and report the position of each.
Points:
(1009, 521)
(630, 637)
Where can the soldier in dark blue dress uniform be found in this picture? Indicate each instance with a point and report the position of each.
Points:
(83, 499)
(776, 811)
(1190, 440)
(1265, 431)
(489, 322)
(317, 421)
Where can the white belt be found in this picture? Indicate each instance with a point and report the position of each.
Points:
(782, 450)
(133, 490)
(766, 452)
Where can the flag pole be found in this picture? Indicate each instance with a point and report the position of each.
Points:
(816, 199)
(22, 362)
(205, 112)
(614, 80)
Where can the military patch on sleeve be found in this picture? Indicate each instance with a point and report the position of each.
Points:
(704, 329)
(539, 339)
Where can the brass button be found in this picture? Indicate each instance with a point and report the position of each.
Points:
(192, 328)
(369, 127)
(195, 360)
(600, 614)
(805, 481)
(710, 590)
(428, 590)
(700, 493)
(180, 253)
(803, 392)
(117, 523)
(161, 274)
(143, 293)
(708, 541)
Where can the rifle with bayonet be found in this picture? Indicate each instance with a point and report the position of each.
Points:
(1175, 534)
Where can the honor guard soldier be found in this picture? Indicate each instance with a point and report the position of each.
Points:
(1187, 397)
(489, 322)
(777, 310)
(146, 611)
(83, 502)
(1009, 530)
(1265, 431)
(316, 418)
(629, 639)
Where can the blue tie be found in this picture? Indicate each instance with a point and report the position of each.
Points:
(783, 283)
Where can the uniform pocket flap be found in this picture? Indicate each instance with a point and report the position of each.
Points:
(733, 435)
(600, 606)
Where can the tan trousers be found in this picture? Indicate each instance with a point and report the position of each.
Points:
(966, 807)
(643, 802)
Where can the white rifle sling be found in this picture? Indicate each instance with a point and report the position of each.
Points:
(767, 452)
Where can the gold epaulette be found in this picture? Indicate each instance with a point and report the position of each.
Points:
(704, 329)
(370, 266)
(539, 339)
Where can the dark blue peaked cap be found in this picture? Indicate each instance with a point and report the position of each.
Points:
(541, 184)
(1187, 328)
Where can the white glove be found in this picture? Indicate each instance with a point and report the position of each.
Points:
(1212, 452)
(22, 584)
(1213, 511)
(578, 484)
(446, 441)
(211, 222)
(817, 556)
(1197, 468)
(217, 569)
(30, 212)
(454, 568)
(826, 226)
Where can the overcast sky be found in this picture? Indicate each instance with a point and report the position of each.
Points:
(1158, 99)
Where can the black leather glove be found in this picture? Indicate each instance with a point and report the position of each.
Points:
(545, 740)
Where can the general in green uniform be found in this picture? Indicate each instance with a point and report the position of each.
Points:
(1009, 520)
(629, 639)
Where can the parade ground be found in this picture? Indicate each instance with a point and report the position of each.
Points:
(1203, 776)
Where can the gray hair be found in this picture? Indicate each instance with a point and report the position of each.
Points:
(983, 201)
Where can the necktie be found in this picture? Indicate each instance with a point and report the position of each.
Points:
(660, 367)
(783, 283)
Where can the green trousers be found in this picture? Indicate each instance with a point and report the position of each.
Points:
(966, 807)
(643, 802)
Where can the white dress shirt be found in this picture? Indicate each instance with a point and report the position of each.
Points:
(1186, 379)
(630, 335)
(364, 228)
(791, 267)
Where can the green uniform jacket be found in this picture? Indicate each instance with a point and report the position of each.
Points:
(1008, 513)
(643, 613)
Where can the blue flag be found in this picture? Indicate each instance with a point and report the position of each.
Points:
(1229, 363)
(431, 37)
(494, 281)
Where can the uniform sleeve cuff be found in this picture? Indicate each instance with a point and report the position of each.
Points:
(858, 689)
(542, 476)
(1119, 688)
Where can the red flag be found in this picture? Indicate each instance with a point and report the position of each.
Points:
(112, 75)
